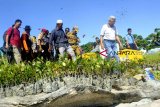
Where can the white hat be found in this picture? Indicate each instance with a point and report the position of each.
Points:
(59, 21)
(111, 17)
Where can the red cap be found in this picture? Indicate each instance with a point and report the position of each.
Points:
(45, 31)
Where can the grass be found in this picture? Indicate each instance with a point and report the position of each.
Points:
(152, 58)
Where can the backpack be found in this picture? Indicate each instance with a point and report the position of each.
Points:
(4, 37)
(46, 39)
(3, 49)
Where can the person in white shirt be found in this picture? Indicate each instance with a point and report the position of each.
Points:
(130, 41)
(109, 37)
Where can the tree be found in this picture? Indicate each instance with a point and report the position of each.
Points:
(139, 37)
(150, 42)
(157, 30)
(87, 47)
(122, 39)
(151, 36)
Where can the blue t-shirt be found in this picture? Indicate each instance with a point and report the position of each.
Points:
(130, 39)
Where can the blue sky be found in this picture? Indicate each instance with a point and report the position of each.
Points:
(141, 15)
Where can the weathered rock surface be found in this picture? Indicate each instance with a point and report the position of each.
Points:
(82, 91)
(142, 103)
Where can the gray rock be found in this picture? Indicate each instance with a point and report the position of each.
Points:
(62, 83)
(86, 81)
(131, 91)
(107, 84)
(71, 81)
(132, 81)
(14, 90)
(141, 103)
(155, 103)
(30, 89)
(38, 86)
(47, 86)
(18, 90)
(8, 92)
(150, 89)
(96, 81)
(2, 93)
(54, 86)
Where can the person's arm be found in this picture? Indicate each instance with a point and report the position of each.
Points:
(24, 39)
(135, 44)
(128, 46)
(118, 39)
(119, 42)
(78, 40)
(101, 42)
(127, 43)
(39, 42)
(101, 37)
(7, 44)
(8, 33)
(51, 39)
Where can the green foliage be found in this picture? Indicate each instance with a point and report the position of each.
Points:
(88, 47)
(14, 74)
(157, 75)
(152, 59)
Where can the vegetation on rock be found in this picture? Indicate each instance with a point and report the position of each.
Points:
(14, 74)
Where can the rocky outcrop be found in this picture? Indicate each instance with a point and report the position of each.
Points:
(49, 85)
(142, 103)
(80, 91)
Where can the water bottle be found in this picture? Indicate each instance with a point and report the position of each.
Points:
(149, 74)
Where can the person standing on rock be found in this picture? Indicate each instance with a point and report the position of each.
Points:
(59, 41)
(109, 37)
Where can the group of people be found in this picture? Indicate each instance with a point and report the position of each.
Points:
(109, 39)
(54, 44)
(47, 45)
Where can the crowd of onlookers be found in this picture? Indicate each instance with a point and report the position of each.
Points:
(54, 44)
(49, 45)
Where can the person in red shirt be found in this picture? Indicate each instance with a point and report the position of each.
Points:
(13, 40)
(26, 44)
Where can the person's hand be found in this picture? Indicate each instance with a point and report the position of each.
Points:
(128, 47)
(27, 51)
(7, 46)
(121, 46)
(136, 46)
(49, 50)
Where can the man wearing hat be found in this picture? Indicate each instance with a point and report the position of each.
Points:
(26, 44)
(59, 41)
(74, 40)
